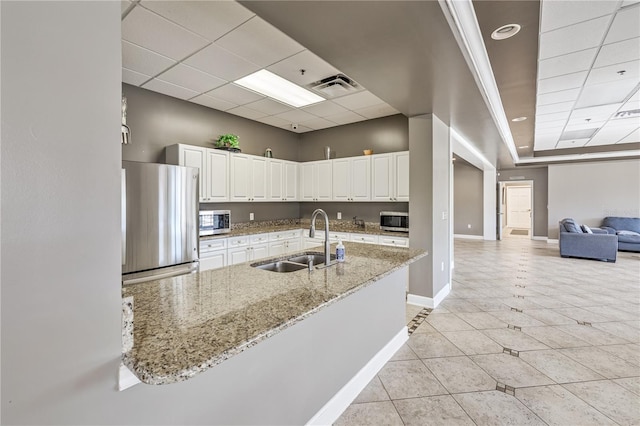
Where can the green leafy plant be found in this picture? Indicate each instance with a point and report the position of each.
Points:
(228, 141)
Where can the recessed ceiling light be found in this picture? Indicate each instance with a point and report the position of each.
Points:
(523, 146)
(505, 31)
(271, 85)
(519, 119)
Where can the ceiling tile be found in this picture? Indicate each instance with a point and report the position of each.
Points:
(124, 5)
(302, 129)
(259, 42)
(377, 111)
(556, 97)
(574, 143)
(245, 112)
(605, 93)
(609, 135)
(268, 106)
(345, 117)
(556, 14)
(212, 102)
(611, 73)
(191, 78)
(629, 2)
(553, 108)
(358, 100)
(582, 124)
(322, 109)
(318, 123)
(146, 29)
(143, 60)
(296, 116)
(550, 125)
(220, 62)
(616, 53)
(555, 132)
(545, 142)
(596, 112)
(169, 89)
(210, 19)
(314, 68)
(542, 118)
(566, 64)
(563, 82)
(276, 122)
(573, 38)
(236, 94)
(633, 137)
(134, 78)
(625, 25)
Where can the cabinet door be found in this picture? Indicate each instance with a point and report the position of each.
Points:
(259, 251)
(192, 156)
(342, 179)
(360, 178)
(276, 248)
(323, 183)
(292, 246)
(258, 179)
(401, 176)
(307, 182)
(238, 255)
(276, 173)
(312, 243)
(216, 176)
(290, 184)
(214, 260)
(240, 183)
(381, 176)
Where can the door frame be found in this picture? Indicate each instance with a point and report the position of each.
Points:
(502, 184)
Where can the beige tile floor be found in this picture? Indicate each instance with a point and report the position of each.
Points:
(574, 360)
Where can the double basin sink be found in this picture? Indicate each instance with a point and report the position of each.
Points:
(295, 262)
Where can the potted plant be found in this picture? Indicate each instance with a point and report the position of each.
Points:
(229, 142)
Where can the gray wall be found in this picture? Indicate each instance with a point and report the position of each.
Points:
(467, 199)
(157, 121)
(369, 212)
(588, 192)
(261, 211)
(540, 194)
(387, 134)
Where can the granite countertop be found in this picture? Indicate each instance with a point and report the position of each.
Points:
(252, 228)
(185, 325)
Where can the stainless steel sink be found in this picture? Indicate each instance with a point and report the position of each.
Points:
(282, 266)
(292, 263)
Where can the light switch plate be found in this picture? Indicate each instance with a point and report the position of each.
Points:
(250, 216)
(339, 215)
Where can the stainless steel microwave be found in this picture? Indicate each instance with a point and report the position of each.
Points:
(213, 222)
(394, 221)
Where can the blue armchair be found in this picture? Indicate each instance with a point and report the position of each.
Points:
(597, 244)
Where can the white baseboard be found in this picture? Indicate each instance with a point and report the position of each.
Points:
(540, 238)
(335, 407)
(552, 241)
(428, 302)
(468, 237)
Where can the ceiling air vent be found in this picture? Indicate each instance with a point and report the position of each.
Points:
(336, 85)
(578, 134)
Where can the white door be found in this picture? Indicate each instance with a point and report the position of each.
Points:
(194, 157)
(258, 179)
(341, 179)
(381, 169)
(401, 176)
(307, 182)
(241, 178)
(324, 178)
(276, 173)
(519, 207)
(290, 185)
(360, 178)
(217, 184)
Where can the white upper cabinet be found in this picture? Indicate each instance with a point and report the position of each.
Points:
(213, 167)
(352, 179)
(390, 176)
(248, 178)
(282, 180)
(315, 181)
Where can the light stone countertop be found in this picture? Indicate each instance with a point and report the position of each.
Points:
(185, 325)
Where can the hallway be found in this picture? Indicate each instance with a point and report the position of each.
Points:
(525, 337)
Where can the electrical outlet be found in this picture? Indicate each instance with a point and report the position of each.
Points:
(444, 215)
(469, 226)
(339, 215)
(442, 266)
(251, 217)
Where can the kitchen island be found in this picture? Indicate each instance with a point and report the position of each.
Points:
(185, 325)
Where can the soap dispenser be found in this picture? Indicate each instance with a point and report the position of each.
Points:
(340, 252)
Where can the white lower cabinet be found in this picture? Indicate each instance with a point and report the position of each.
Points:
(213, 254)
(393, 241)
(364, 238)
(284, 242)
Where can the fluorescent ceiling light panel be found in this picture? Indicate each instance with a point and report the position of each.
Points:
(276, 87)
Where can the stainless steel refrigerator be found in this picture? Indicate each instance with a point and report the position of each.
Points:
(160, 221)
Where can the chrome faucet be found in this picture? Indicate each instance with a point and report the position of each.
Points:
(312, 233)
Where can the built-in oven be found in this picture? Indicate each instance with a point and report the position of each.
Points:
(394, 221)
(213, 222)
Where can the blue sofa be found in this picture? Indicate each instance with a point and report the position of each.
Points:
(583, 242)
(627, 229)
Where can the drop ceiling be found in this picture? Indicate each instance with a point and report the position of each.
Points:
(562, 71)
(195, 51)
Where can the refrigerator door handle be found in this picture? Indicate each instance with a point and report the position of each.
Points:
(123, 215)
(187, 269)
